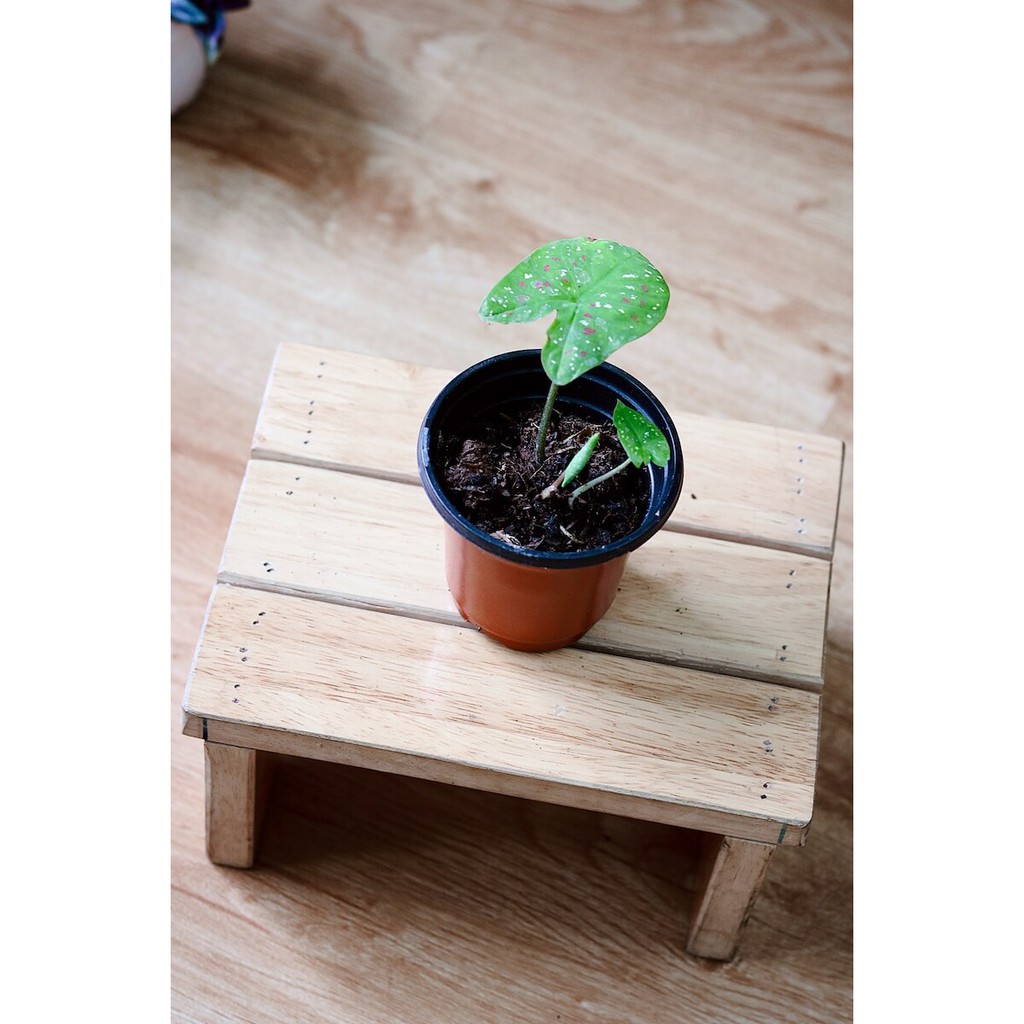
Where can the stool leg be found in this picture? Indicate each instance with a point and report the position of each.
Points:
(237, 780)
(733, 880)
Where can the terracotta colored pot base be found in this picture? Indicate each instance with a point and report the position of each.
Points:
(526, 607)
(519, 645)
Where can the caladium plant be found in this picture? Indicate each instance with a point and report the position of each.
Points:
(603, 294)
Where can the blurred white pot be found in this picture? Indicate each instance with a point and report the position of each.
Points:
(188, 65)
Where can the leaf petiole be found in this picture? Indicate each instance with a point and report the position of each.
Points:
(598, 480)
(545, 419)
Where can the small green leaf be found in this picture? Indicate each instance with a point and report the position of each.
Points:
(642, 440)
(580, 459)
(603, 294)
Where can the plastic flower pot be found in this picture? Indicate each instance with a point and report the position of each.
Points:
(536, 600)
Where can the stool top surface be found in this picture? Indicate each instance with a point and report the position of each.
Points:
(331, 633)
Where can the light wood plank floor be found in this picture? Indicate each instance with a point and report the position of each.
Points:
(357, 175)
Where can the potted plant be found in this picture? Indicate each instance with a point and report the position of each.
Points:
(549, 466)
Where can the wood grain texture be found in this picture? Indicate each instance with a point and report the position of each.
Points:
(338, 149)
(237, 787)
(429, 700)
(684, 600)
(743, 481)
(738, 867)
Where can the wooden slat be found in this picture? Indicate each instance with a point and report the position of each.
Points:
(345, 411)
(743, 481)
(684, 600)
(686, 747)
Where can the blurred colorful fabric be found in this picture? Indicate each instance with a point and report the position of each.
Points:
(207, 18)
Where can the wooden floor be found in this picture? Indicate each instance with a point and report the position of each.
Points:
(357, 175)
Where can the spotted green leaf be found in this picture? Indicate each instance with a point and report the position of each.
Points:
(642, 440)
(603, 294)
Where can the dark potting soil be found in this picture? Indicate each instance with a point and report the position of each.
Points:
(491, 474)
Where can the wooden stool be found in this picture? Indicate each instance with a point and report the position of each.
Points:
(695, 702)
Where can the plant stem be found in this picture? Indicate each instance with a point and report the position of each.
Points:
(598, 479)
(545, 419)
(553, 487)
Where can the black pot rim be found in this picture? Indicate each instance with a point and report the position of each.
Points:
(667, 481)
